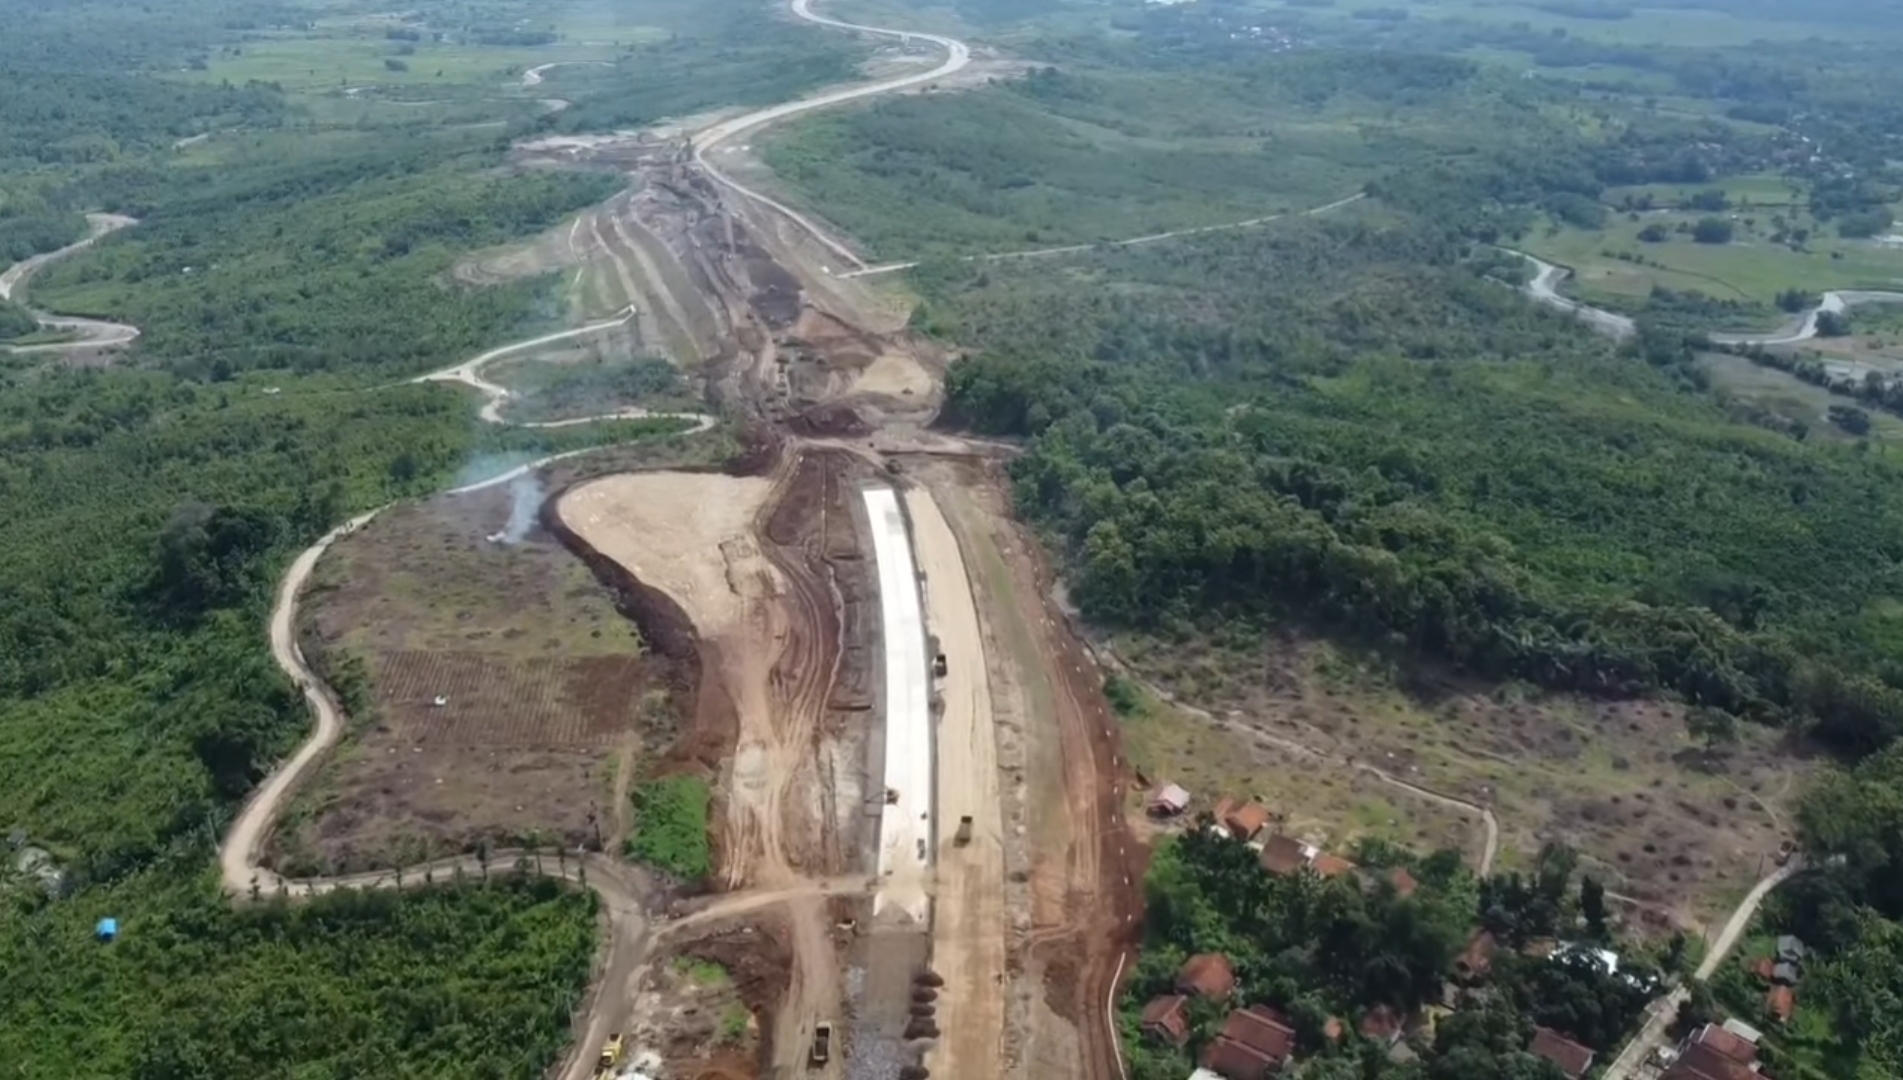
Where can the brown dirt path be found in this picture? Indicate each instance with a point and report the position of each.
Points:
(969, 926)
(739, 556)
(1085, 868)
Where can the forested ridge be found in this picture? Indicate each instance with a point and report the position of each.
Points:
(1344, 424)
(286, 282)
(474, 982)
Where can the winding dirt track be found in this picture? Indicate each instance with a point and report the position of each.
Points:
(1664, 1011)
(1544, 289)
(1133, 241)
(92, 333)
(618, 887)
(469, 373)
(957, 55)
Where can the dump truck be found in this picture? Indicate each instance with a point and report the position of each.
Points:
(610, 1060)
(963, 836)
(822, 1042)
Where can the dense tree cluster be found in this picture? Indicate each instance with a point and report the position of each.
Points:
(89, 117)
(207, 276)
(1412, 455)
(16, 321)
(474, 982)
(150, 507)
(1316, 947)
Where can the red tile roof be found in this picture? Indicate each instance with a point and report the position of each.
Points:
(1283, 855)
(1477, 958)
(1247, 820)
(1572, 1058)
(1729, 1043)
(1701, 1062)
(1234, 1061)
(1331, 865)
(1207, 974)
(1262, 1030)
(1403, 881)
(1164, 1018)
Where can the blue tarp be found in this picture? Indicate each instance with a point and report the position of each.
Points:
(107, 929)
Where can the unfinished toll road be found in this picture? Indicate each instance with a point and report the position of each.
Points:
(969, 925)
(761, 579)
(734, 554)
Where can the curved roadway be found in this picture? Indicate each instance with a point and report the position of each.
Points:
(92, 333)
(617, 885)
(957, 56)
(1544, 289)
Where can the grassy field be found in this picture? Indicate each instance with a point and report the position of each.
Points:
(1795, 399)
(1644, 25)
(1655, 815)
(1116, 149)
(365, 51)
(1751, 267)
(1325, 803)
(581, 382)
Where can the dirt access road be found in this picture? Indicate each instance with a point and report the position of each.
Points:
(779, 666)
(957, 56)
(1664, 1012)
(969, 917)
(469, 373)
(88, 334)
(1544, 289)
(621, 892)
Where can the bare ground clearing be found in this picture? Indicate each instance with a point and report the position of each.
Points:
(1666, 822)
(701, 1005)
(1063, 766)
(763, 567)
(969, 923)
(663, 526)
(544, 685)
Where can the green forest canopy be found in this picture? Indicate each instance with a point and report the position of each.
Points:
(1340, 423)
(284, 292)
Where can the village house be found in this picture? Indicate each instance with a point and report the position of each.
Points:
(1206, 975)
(1284, 854)
(1254, 1043)
(1166, 1019)
(1330, 866)
(1573, 1059)
(1242, 821)
(1715, 1052)
(1168, 801)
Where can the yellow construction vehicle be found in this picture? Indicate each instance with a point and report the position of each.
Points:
(611, 1052)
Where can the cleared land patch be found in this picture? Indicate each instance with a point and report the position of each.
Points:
(1658, 815)
(1794, 399)
(543, 701)
(663, 526)
(545, 690)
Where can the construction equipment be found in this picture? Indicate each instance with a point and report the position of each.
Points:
(611, 1053)
(963, 836)
(822, 1042)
